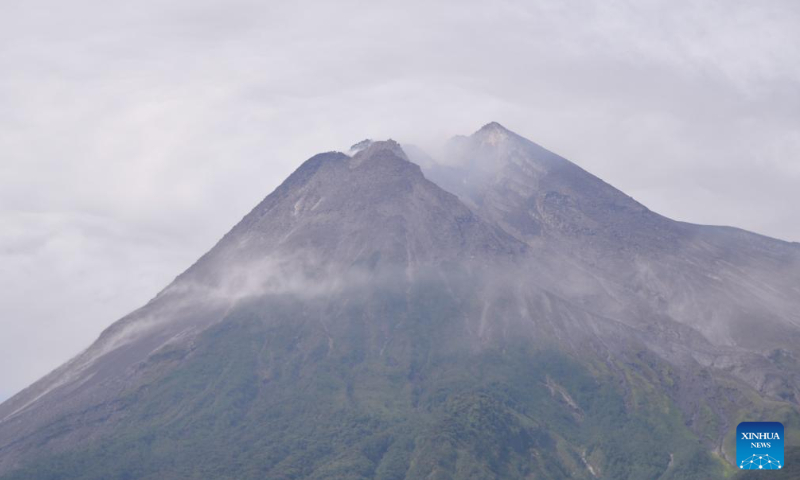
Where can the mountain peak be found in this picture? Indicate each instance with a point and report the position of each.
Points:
(492, 133)
(369, 147)
(379, 149)
(381, 145)
(357, 147)
(493, 126)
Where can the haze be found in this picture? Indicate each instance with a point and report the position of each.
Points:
(133, 135)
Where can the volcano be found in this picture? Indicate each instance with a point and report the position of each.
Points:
(501, 313)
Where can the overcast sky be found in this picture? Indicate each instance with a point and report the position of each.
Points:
(133, 135)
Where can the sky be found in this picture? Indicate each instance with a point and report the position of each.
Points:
(133, 135)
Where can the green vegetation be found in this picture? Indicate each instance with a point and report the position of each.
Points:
(269, 393)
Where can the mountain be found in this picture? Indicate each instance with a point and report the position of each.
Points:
(501, 314)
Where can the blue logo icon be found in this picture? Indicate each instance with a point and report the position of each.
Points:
(759, 446)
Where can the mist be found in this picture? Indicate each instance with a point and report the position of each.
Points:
(134, 137)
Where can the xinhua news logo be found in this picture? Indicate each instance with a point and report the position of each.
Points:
(759, 446)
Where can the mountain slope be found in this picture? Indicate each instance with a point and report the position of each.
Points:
(336, 221)
(731, 287)
(362, 322)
